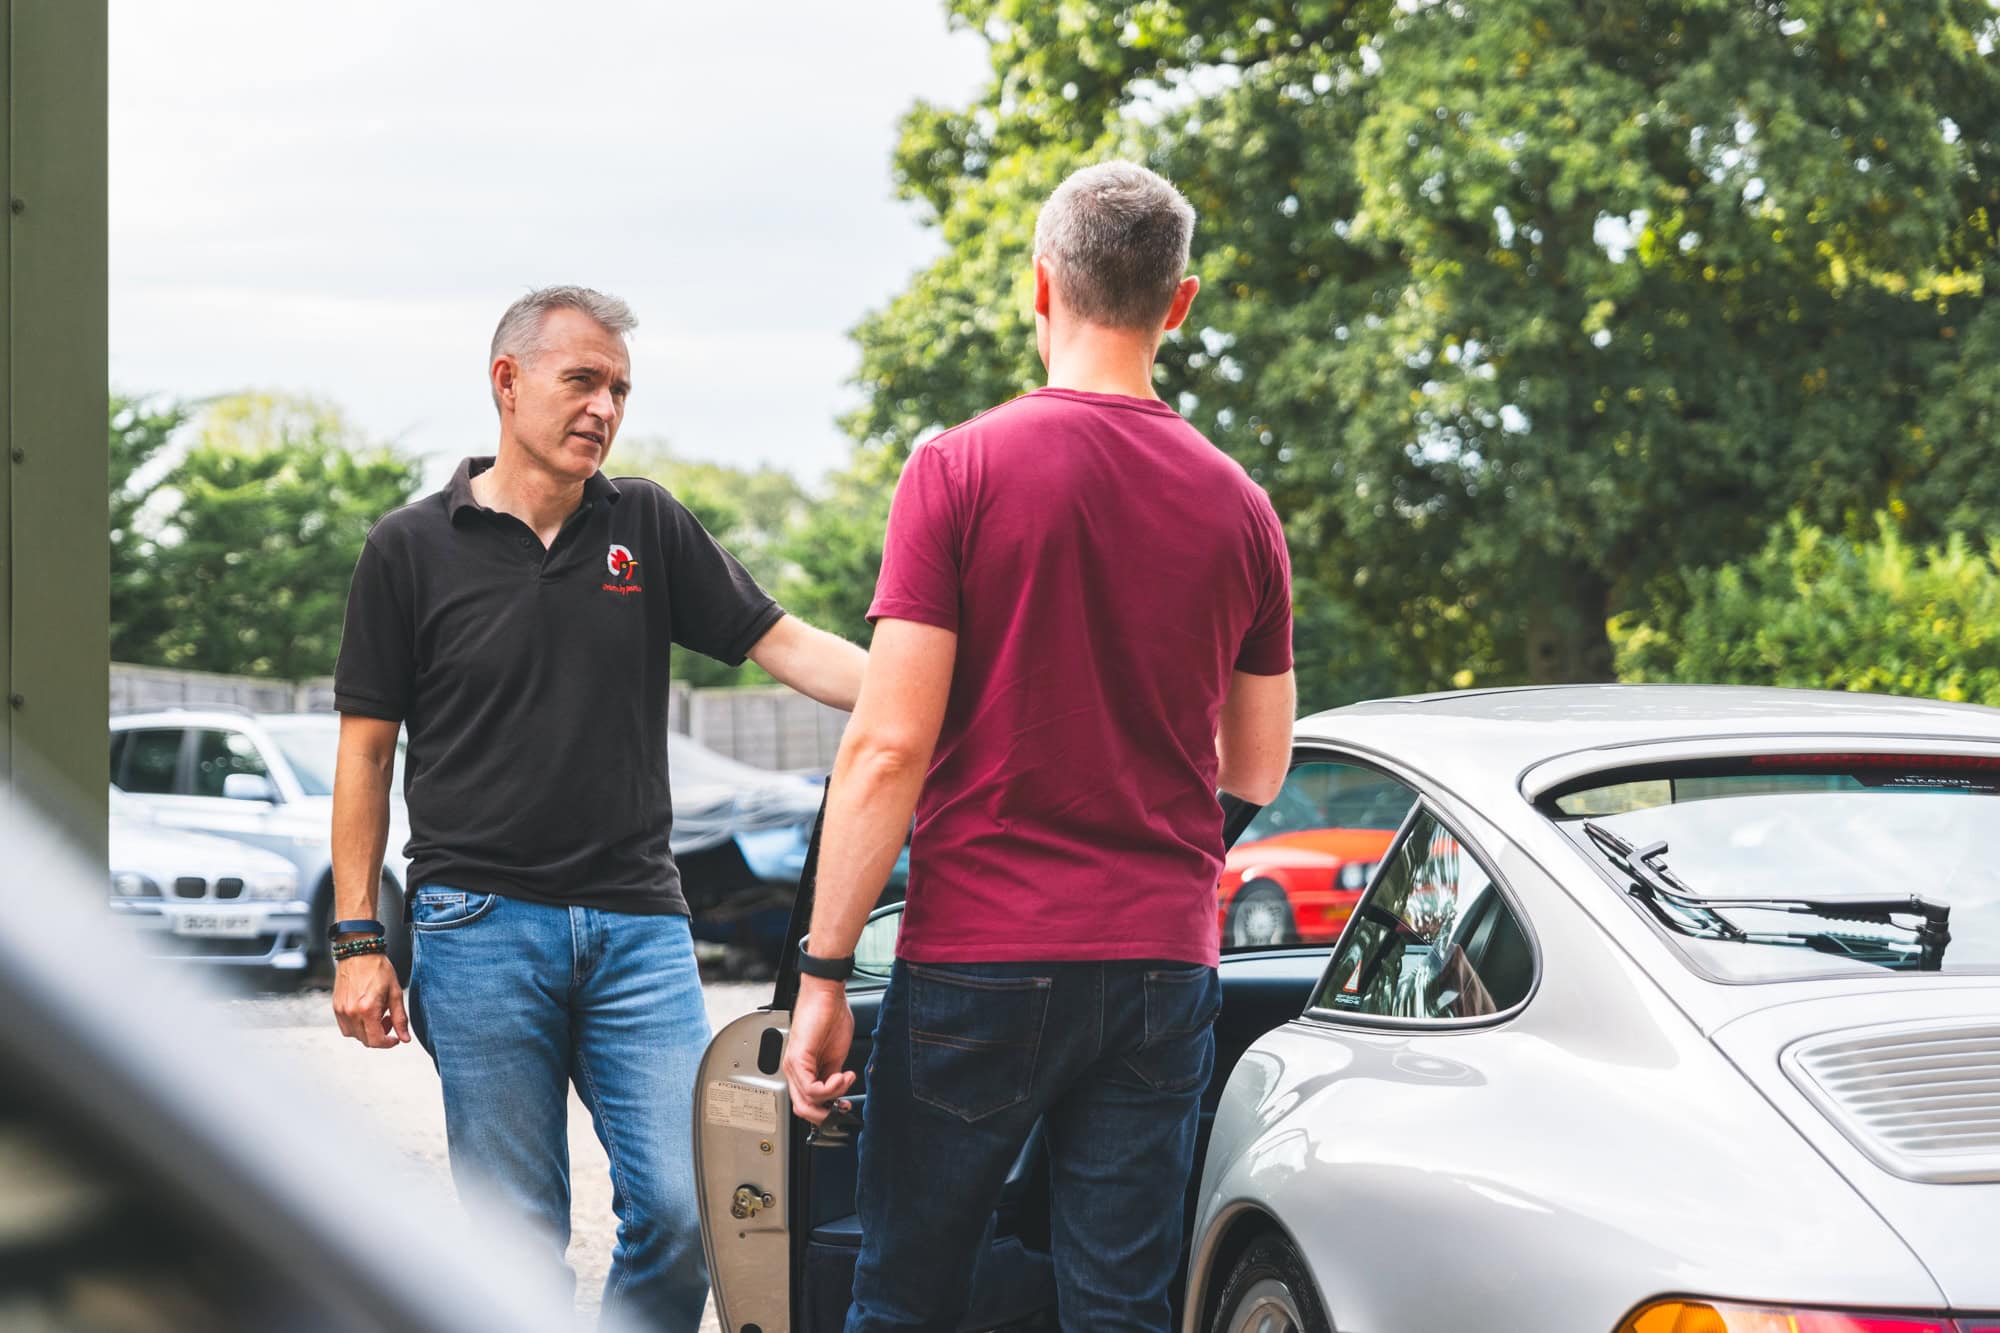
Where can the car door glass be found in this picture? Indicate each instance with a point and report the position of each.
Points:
(220, 753)
(1434, 938)
(151, 759)
(1296, 871)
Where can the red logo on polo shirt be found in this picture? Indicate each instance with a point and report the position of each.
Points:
(621, 562)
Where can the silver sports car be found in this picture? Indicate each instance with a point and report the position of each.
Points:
(1666, 1010)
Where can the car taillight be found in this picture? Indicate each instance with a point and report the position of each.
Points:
(1694, 1316)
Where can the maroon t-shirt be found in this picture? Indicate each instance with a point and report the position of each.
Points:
(1106, 569)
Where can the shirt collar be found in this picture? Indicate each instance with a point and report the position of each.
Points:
(458, 491)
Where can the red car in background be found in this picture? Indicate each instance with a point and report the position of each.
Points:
(1297, 871)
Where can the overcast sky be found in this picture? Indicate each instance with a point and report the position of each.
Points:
(340, 199)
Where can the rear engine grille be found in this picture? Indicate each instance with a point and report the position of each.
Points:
(229, 887)
(190, 886)
(1922, 1099)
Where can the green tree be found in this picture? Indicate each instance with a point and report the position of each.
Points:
(141, 430)
(246, 569)
(1817, 609)
(1519, 308)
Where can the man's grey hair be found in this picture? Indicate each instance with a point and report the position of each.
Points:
(1117, 236)
(520, 331)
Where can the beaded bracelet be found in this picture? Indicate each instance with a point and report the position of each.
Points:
(346, 949)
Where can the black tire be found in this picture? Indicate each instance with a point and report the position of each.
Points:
(396, 932)
(1270, 1291)
(1260, 915)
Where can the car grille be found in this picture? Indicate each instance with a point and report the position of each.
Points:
(1921, 1099)
(190, 886)
(229, 887)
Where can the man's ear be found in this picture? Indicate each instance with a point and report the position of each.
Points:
(1177, 313)
(1041, 286)
(506, 375)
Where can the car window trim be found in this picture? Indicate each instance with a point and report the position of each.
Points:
(1425, 805)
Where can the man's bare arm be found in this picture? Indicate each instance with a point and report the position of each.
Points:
(877, 777)
(884, 754)
(367, 1002)
(817, 664)
(362, 771)
(1254, 742)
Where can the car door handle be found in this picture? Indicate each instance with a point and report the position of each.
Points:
(838, 1129)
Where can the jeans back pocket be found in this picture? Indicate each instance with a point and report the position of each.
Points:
(1177, 1051)
(440, 907)
(974, 1038)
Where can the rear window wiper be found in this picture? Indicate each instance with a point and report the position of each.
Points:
(1690, 913)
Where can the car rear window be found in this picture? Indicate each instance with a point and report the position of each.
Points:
(1774, 867)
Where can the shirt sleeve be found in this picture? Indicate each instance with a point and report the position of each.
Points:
(376, 673)
(719, 610)
(1267, 646)
(921, 571)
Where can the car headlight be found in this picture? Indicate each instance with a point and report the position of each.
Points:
(272, 884)
(128, 884)
(1355, 874)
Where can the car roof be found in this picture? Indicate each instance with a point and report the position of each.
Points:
(226, 715)
(199, 715)
(1478, 735)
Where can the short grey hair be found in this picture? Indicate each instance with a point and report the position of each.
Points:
(520, 332)
(1117, 236)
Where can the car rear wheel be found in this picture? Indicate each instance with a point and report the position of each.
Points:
(1260, 915)
(1270, 1292)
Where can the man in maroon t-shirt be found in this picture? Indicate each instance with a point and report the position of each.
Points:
(1083, 628)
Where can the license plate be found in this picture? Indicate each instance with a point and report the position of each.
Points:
(216, 925)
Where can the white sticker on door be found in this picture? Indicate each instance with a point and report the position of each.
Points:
(739, 1107)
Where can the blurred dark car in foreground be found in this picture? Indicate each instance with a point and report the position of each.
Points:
(156, 1177)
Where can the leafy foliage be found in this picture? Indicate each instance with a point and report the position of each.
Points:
(1518, 309)
(1816, 609)
(141, 431)
(238, 559)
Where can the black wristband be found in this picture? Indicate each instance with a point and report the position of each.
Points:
(826, 969)
(355, 928)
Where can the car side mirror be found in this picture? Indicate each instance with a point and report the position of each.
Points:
(249, 787)
(875, 951)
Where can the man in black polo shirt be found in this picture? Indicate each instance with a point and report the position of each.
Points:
(520, 623)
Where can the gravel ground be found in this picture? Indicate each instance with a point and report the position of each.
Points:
(398, 1089)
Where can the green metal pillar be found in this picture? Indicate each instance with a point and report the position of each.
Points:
(55, 578)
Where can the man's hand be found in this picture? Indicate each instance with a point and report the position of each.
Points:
(822, 1032)
(367, 1002)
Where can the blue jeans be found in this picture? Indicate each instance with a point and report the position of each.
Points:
(515, 1001)
(1111, 1056)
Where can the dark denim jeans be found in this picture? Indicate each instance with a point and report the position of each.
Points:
(515, 1001)
(1114, 1056)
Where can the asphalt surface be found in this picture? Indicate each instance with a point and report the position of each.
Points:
(398, 1091)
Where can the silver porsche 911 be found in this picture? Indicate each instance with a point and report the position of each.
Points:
(1667, 1010)
(1660, 1010)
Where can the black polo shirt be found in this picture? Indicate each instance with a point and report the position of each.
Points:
(533, 683)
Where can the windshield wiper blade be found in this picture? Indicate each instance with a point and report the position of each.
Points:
(1647, 866)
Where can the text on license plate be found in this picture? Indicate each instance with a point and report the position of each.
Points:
(227, 925)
